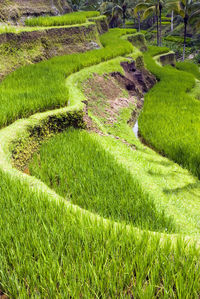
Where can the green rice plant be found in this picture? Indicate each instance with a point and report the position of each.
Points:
(20, 29)
(42, 86)
(129, 24)
(189, 67)
(67, 19)
(90, 177)
(49, 250)
(164, 23)
(170, 118)
(166, 19)
(154, 50)
(177, 39)
(179, 192)
(10, 29)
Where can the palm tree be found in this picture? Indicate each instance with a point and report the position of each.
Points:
(189, 10)
(150, 7)
(116, 9)
(172, 21)
(113, 13)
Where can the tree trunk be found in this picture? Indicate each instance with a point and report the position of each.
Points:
(160, 29)
(124, 20)
(124, 7)
(185, 34)
(138, 21)
(172, 21)
(157, 27)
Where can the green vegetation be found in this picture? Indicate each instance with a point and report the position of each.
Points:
(138, 40)
(188, 11)
(176, 114)
(129, 23)
(91, 178)
(51, 250)
(166, 23)
(50, 245)
(68, 19)
(178, 194)
(166, 19)
(42, 86)
(189, 67)
(177, 39)
(67, 247)
(20, 29)
(153, 50)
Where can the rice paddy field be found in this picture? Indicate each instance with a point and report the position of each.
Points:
(18, 95)
(68, 19)
(95, 217)
(169, 107)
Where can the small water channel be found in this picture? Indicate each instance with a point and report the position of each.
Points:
(136, 129)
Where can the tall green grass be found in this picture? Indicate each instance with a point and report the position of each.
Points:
(50, 251)
(153, 50)
(68, 19)
(170, 118)
(177, 39)
(76, 167)
(42, 86)
(189, 67)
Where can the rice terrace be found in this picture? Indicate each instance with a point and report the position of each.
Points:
(99, 149)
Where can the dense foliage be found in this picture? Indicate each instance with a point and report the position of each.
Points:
(170, 118)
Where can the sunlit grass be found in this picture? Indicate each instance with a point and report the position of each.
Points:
(76, 167)
(50, 251)
(189, 67)
(67, 19)
(42, 86)
(170, 118)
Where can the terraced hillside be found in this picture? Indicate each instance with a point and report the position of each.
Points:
(87, 209)
(13, 10)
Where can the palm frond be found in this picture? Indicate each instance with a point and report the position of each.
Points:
(149, 11)
(140, 7)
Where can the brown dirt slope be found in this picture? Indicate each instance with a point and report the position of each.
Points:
(108, 94)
